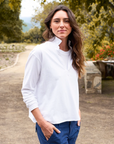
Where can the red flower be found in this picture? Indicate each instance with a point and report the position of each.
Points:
(101, 50)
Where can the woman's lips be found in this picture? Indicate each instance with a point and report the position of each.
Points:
(61, 30)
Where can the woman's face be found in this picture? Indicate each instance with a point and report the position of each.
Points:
(60, 24)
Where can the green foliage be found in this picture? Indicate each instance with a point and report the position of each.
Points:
(97, 29)
(75, 4)
(10, 24)
(28, 41)
(32, 36)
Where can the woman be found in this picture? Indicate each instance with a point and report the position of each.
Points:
(50, 86)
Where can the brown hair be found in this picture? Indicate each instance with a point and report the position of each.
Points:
(75, 37)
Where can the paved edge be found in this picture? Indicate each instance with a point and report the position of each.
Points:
(17, 57)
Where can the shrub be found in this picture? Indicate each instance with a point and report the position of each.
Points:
(28, 41)
(107, 51)
(7, 58)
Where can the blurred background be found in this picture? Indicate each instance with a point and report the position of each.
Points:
(22, 22)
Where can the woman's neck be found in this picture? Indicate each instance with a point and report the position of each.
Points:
(63, 45)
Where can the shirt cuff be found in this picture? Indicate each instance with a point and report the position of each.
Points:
(33, 106)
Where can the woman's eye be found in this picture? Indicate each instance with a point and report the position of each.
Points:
(56, 21)
(67, 21)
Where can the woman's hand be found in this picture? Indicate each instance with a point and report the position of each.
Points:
(80, 118)
(47, 129)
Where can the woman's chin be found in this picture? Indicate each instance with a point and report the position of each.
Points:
(62, 37)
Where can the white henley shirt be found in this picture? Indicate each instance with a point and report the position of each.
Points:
(51, 83)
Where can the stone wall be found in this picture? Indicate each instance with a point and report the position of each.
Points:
(93, 79)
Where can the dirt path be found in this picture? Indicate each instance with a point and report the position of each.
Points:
(97, 115)
(97, 125)
(15, 126)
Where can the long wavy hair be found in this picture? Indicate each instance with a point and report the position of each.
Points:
(75, 37)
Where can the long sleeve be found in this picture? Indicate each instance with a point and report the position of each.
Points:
(32, 72)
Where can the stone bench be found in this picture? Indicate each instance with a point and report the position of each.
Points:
(93, 79)
(106, 68)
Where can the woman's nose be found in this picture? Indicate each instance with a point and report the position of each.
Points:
(61, 24)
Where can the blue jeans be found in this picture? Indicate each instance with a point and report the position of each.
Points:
(68, 135)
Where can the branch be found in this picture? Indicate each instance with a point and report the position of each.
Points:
(111, 5)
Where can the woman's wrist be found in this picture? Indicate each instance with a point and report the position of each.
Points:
(38, 116)
(41, 122)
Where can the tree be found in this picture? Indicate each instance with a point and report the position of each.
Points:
(10, 24)
(32, 36)
(41, 15)
(97, 30)
(75, 4)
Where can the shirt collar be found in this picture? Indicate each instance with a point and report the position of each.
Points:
(57, 41)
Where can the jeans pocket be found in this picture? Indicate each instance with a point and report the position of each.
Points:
(55, 138)
(51, 137)
(77, 124)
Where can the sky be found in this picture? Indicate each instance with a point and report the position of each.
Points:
(28, 6)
